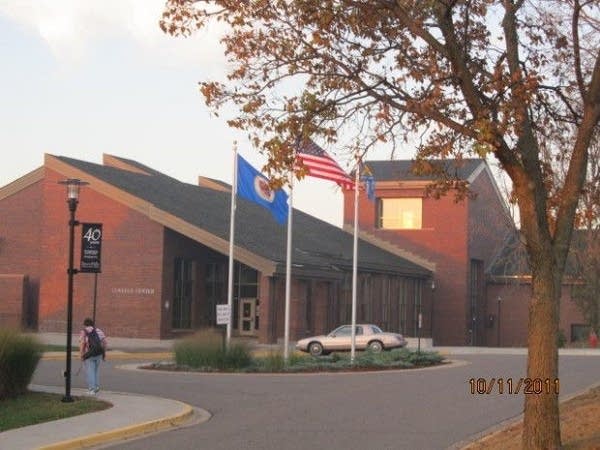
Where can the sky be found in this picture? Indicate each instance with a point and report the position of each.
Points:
(83, 78)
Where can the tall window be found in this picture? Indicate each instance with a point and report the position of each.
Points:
(477, 301)
(216, 289)
(402, 297)
(182, 303)
(400, 213)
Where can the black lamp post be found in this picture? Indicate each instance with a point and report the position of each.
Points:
(73, 186)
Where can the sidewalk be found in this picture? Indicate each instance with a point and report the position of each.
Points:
(131, 415)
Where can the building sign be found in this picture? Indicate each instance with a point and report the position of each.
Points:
(223, 314)
(132, 291)
(91, 247)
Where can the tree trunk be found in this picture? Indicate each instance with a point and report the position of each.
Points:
(541, 426)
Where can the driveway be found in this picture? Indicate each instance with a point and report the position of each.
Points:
(424, 409)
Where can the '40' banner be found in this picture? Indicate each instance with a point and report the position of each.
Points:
(91, 247)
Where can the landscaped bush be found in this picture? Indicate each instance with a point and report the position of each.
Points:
(206, 350)
(395, 359)
(275, 362)
(19, 356)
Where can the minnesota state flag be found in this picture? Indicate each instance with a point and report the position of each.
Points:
(254, 186)
(369, 180)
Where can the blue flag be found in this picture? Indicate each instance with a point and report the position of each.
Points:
(254, 186)
(369, 180)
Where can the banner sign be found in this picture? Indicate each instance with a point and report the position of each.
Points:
(91, 247)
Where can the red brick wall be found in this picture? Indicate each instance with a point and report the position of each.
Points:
(452, 234)
(21, 238)
(510, 326)
(12, 301)
(129, 288)
(442, 239)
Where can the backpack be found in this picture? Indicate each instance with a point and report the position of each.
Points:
(95, 346)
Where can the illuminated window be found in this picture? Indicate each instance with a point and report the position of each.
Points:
(400, 213)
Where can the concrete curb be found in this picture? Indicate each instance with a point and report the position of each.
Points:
(450, 364)
(127, 432)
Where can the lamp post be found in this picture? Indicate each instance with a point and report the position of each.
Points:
(432, 306)
(73, 186)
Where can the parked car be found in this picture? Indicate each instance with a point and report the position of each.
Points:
(368, 336)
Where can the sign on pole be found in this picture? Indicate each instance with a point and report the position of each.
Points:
(223, 314)
(91, 247)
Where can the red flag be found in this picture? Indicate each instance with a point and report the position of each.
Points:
(321, 165)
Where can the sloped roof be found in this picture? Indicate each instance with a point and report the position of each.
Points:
(402, 170)
(317, 245)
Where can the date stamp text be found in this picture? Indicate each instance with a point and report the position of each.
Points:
(528, 386)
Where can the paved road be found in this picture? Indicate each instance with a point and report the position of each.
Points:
(424, 409)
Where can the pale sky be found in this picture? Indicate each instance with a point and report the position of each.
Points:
(81, 78)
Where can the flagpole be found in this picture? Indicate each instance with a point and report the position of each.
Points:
(231, 240)
(355, 262)
(288, 273)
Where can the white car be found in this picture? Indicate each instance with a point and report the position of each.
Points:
(368, 336)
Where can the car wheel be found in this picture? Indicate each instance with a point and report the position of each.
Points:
(315, 349)
(375, 346)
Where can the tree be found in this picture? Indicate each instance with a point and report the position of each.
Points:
(516, 79)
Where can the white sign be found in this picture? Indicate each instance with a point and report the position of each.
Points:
(223, 314)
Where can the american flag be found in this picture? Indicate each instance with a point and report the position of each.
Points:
(321, 165)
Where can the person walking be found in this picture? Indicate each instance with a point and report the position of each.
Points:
(92, 349)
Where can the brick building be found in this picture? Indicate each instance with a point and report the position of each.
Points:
(456, 265)
(480, 297)
(165, 257)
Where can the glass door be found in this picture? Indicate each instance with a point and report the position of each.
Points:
(247, 316)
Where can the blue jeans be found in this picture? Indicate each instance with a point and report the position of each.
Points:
(92, 372)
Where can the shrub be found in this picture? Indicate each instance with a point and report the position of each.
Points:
(275, 362)
(206, 350)
(272, 362)
(19, 356)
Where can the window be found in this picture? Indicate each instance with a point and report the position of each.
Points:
(579, 332)
(182, 300)
(215, 288)
(400, 213)
(346, 330)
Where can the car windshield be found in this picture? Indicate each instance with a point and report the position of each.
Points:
(376, 329)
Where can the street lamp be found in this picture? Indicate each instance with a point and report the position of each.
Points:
(73, 186)
(433, 286)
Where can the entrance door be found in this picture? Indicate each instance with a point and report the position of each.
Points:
(247, 316)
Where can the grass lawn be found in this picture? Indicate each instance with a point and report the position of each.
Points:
(37, 407)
